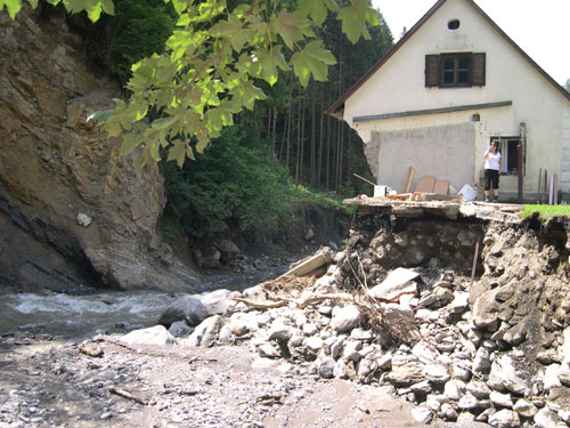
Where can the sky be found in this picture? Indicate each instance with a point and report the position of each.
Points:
(542, 29)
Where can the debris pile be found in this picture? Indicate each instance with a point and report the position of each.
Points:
(399, 307)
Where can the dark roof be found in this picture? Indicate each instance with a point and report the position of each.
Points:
(340, 102)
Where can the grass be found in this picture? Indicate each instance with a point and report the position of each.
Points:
(546, 211)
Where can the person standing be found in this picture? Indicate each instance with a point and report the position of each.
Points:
(492, 171)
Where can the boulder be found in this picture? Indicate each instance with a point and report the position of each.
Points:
(405, 371)
(243, 323)
(345, 318)
(501, 400)
(153, 336)
(206, 333)
(504, 377)
(398, 282)
(525, 408)
(327, 368)
(219, 302)
(422, 415)
(546, 418)
(438, 298)
(186, 308)
(482, 361)
(180, 329)
(505, 419)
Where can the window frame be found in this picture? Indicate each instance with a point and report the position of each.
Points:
(503, 143)
(457, 56)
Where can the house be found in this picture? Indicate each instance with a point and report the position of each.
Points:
(452, 84)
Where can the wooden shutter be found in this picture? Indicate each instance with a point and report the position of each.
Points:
(432, 71)
(479, 74)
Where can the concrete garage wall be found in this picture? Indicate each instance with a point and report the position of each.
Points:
(565, 155)
(444, 152)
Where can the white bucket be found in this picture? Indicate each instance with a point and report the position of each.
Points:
(380, 191)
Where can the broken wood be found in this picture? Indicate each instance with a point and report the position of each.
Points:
(425, 185)
(125, 394)
(475, 261)
(262, 305)
(311, 264)
(410, 180)
(441, 188)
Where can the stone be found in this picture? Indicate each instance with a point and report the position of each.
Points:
(465, 419)
(366, 369)
(268, 350)
(433, 403)
(460, 302)
(436, 373)
(310, 329)
(438, 298)
(399, 281)
(482, 361)
(485, 415)
(313, 344)
(501, 400)
(361, 334)
(422, 415)
(505, 419)
(448, 412)
(340, 370)
(546, 418)
(454, 389)
(485, 312)
(564, 376)
(226, 337)
(468, 402)
(337, 347)
(525, 408)
(421, 389)
(345, 318)
(385, 362)
(186, 308)
(566, 348)
(427, 315)
(405, 371)
(565, 416)
(550, 356)
(479, 389)
(243, 323)
(180, 329)
(206, 334)
(84, 220)
(230, 251)
(219, 302)
(326, 368)
(551, 379)
(425, 352)
(504, 377)
(326, 284)
(153, 336)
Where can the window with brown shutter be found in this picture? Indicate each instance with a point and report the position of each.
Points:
(479, 69)
(432, 71)
(456, 70)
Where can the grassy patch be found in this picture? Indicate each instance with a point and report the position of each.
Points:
(546, 211)
(302, 195)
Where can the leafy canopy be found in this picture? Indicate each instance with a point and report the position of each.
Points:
(214, 63)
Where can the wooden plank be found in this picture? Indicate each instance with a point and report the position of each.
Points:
(410, 180)
(441, 187)
(311, 264)
(425, 185)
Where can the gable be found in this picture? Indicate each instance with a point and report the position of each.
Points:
(430, 35)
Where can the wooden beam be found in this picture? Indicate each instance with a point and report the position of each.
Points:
(454, 109)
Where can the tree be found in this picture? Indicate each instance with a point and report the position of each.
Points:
(214, 64)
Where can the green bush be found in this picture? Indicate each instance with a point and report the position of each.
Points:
(140, 28)
(234, 184)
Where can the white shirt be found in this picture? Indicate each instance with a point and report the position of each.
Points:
(493, 160)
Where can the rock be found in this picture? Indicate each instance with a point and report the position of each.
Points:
(310, 329)
(385, 362)
(425, 352)
(337, 347)
(366, 369)
(436, 373)
(485, 312)
(564, 376)
(551, 379)
(153, 336)
(465, 420)
(427, 315)
(361, 334)
(226, 337)
(422, 415)
(525, 408)
(268, 350)
(327, 368)
(313, 344)
(482, 361)
(437, 299)
(448, 412)
(550, 356)
(345, 318)
(326, 284)
(206, 333)
(566, 348)
(84, 220)
(505, 419)
(219, 302)
(421, 389)
(187, 309)
(501, 400)
(398, 282)
(468, 402)
(479, 389)
(243, 323)
(228, 249)
(461, 372)
(460, 302)
(180, 329)
(454, 389)
(405, 371)
(565, 416)
(546, 418)
(485, 415)
(340, 370)
(504, 377)
(91, 350)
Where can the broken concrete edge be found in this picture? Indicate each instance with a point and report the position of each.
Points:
(453, 210)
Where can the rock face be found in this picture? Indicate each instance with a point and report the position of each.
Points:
(72, 210)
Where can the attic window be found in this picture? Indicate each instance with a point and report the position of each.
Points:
(454, 24)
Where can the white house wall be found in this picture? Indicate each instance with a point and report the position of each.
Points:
(400, 86)
(565, 155)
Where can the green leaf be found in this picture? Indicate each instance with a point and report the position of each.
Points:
(290, 27)
(316, 9)
(313, 60)
(177, 153)
(270, 62)
(13, 7)
(354, 19)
